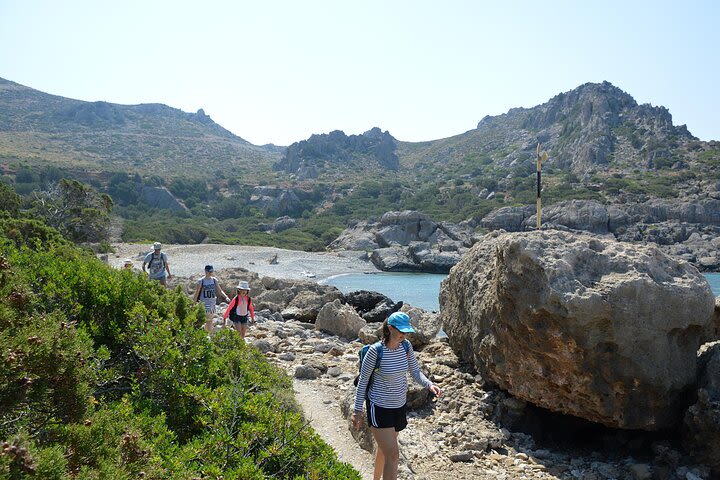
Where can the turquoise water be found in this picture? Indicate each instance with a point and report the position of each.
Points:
(714, 281)
(422, 289)
(417, 289)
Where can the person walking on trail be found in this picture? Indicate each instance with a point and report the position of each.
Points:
(207, 290)
(157, 263)
(384, 391)
(240, 310)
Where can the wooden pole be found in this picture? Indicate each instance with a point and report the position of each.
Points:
(541, 157)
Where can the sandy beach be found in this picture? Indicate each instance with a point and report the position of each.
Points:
(189, 260)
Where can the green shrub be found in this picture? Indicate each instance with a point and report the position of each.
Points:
(107, 375)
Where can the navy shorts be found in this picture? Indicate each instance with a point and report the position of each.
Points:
(381, 417)
(242, 319)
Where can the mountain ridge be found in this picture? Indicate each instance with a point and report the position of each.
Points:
(38, 127)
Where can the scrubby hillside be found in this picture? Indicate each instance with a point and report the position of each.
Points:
(42, 129)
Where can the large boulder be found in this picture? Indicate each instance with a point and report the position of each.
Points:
(308, 304)
(581, 325)
(394, 259)
(339, 319)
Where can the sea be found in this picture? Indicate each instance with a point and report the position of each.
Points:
(421, 289)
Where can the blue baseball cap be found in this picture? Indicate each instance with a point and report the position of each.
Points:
(401, 321)
(209, 268)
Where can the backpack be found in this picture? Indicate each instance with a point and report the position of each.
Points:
(233, 308)
(378, 347)
(162, 259)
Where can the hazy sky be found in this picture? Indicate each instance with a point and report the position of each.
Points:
(279, 71)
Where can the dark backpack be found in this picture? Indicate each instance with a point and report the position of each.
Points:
(378, 347)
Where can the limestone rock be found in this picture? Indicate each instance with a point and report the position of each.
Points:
(579, 324)
(370, 333)
(309, 304)
(339, 319)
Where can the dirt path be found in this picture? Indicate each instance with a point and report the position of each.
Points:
(326, 420)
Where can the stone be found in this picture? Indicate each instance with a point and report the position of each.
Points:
(464, 456)
(339, 319)
(370, 333)
(580, 324)
(640, 471)
(264, 346)
(304, 372)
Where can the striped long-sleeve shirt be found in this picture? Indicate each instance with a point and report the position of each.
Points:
(389, 385)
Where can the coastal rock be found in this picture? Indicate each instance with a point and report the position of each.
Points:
(507, 218)
(362, 436)
(409, 241)
(401, 228)
(339, 319)
(580, 324)
(371, 306)
(586, 215)
(309, 304)
(393, 259)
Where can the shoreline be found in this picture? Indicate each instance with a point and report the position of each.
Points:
(189, 260)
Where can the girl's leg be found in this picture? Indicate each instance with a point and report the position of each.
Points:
(208, 322)
(243, 329)
(388, 454)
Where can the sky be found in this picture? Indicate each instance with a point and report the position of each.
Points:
(277, 71)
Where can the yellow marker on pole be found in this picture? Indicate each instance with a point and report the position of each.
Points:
(541, 157)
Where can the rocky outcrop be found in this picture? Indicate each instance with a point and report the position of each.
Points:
(580, 324)
(690, 230)
(338, 319)
(511, 219)
(371, 306)
(319, 152)
(408, 241)
(275, 200)
(279, 225)
(159, 197)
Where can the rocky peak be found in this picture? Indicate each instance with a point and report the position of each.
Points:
(308, 157)
(585, 127)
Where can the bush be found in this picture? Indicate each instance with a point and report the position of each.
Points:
(107, 375)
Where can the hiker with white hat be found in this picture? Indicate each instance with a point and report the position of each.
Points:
(240, 310)
(157, 264)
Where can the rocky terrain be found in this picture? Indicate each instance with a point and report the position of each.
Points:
(412, 241)
(479, 429)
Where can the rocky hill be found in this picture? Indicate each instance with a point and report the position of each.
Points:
(41, 129)
(584, 130)
(326, 153)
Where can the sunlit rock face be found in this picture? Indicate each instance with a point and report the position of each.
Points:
(580, 324)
